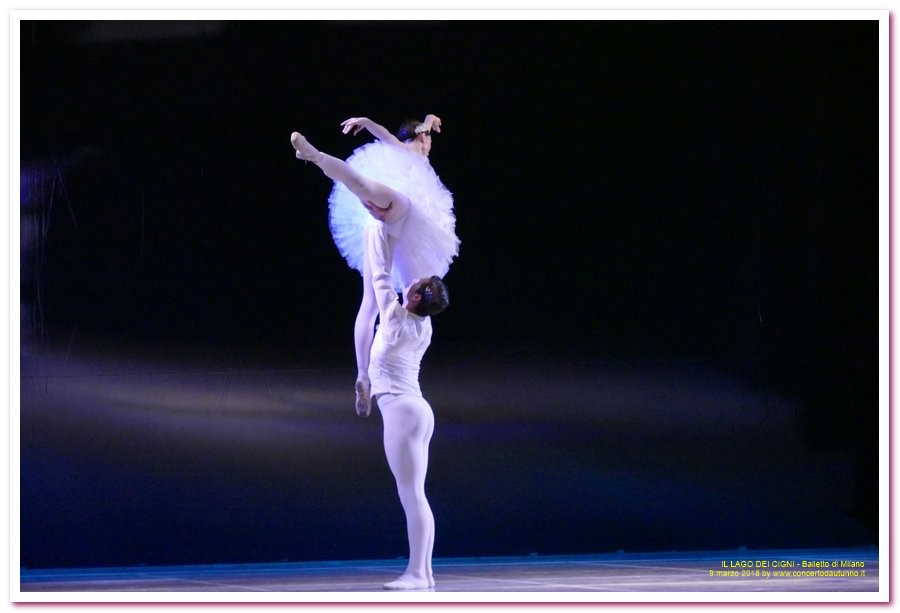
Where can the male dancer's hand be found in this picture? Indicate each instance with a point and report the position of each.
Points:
(376, 212)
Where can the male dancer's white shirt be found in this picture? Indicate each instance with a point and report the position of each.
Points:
(402, 337)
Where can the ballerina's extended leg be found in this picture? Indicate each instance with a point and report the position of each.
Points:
(384, 203)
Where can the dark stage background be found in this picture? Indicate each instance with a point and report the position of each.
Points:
(663, 330)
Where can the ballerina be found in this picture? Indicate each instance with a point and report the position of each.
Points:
(394, 182)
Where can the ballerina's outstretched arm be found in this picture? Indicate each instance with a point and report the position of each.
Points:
(432, 122)
(356, 124)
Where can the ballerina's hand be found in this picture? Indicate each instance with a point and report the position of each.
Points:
(433, 122)
(355, 124)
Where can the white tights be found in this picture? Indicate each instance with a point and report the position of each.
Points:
(408, 426)
(381, 196)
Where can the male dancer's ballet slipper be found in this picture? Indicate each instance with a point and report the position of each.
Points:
(363, 391)
(408, 583)
(305, 151)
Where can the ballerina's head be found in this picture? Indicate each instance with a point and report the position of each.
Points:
(414, 134)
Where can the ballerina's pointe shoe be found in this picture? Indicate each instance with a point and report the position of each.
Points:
(304, 150)
(406, 582)
(363, 403)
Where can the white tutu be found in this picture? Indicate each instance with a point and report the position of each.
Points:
(426, 242)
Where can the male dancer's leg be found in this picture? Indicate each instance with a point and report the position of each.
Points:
(408, 426)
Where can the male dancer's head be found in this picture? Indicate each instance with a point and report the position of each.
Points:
(426, 297)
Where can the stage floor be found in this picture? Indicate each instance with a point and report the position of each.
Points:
(857, 570)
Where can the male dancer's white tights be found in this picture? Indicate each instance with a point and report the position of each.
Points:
(408, 426)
